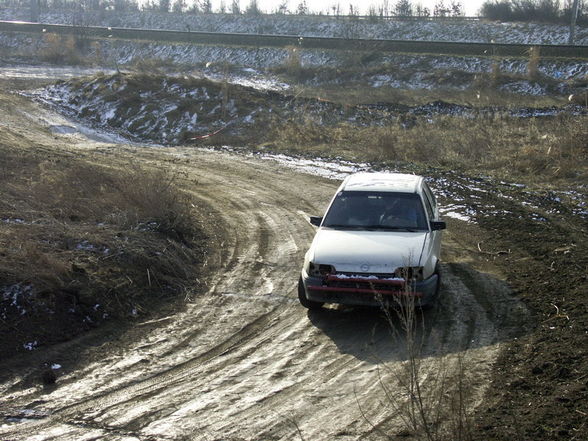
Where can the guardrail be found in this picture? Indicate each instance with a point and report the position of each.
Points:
(261, 40)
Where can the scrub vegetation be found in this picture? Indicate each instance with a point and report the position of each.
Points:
(529, 143)
(434, 396)
(528, 149)
(84, 243)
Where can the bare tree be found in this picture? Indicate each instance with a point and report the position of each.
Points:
(235, 7)
(282, 7)
(336, 9)
(403, 8)
(206, 6)
(422, 11)
(163, 6)
(456, 9)
(373, 13)
(178, 6)
(253, 8)
(440, 10)
(302, 8)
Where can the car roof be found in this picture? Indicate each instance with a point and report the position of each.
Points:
(381, 181)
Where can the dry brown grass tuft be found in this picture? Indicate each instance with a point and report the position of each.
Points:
(61, 49)
(533, 64)
(80, 243)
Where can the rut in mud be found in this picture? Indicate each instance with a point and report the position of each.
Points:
(243, 360)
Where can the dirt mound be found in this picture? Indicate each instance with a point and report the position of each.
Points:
(173, 110)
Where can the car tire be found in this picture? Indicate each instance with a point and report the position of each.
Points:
(308, 304)
(435, 298)
(438, 287)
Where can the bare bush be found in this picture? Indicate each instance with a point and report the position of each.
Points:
(76, 235)
(431, 395)
(533, 64)
(61, 49)
(153, 198)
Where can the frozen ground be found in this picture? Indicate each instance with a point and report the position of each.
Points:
(255, 67)
(252, 65)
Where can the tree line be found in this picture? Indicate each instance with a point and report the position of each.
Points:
(387, 8)
(554, 11)
(549, 11)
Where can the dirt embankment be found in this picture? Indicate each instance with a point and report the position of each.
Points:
(178, 110)
(242, 360)
(84, 241)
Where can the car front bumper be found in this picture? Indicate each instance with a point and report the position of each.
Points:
(365, 293)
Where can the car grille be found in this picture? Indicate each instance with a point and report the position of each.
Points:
(376, 283)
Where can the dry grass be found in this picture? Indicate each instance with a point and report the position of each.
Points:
(482, 93)
(549, 148)
(533, 64)
(431, 395)
(80, 243)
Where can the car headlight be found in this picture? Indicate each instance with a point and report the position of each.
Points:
(320, 270)
(410, 273)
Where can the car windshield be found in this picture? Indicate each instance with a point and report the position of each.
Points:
(376, 211)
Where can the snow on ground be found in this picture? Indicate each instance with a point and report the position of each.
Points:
(376, 69)
(249, 65)
(467, 31)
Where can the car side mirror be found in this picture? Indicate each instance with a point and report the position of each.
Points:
(438, 225)
(316, 220)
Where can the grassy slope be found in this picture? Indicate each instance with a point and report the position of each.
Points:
(82, 243)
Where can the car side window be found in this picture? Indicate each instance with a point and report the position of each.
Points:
(428, 207)
(430, 195)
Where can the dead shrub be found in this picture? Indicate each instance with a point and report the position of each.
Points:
(153, 198)
(292, 62)
(292, 66)
(27, 260)
(533, 64)
(76, 236)
(61, 49)
(431, 395)
(155, 66)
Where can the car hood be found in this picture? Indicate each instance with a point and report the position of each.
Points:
(368, 251)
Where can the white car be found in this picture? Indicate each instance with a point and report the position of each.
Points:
(380, 238)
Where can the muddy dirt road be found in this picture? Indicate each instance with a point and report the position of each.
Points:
(243, 360)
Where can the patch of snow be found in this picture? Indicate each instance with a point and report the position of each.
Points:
(85, 246)
(318, 166)
(458, 212)
(524, 87)
(30, 346)
(13, 220)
